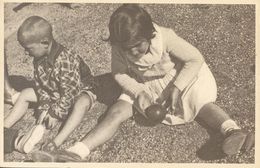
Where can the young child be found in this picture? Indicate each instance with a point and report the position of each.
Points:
(154, 65)
(64, 88)
(10, 94)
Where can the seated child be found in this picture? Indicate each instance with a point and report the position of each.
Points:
(10, 94)
(153, 64)
(64, 89)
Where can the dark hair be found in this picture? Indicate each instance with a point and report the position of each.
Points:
(130, 22)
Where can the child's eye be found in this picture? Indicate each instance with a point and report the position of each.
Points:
(130, 47)
(137, 45)
(26, 48)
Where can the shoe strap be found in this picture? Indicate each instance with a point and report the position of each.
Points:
(44, 147)
(18, 143)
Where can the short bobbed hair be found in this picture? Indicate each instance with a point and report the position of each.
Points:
(129, 23)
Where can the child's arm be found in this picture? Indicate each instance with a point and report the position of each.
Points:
(44, 108)
(120, 73)
(186, 53)
(43, 101)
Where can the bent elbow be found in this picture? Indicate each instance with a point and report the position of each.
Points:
(199, 59)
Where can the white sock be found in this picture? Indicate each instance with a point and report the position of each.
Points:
(228, 125)
(80, 149)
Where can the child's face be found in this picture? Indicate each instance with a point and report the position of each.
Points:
(35, 49)
(138, 48)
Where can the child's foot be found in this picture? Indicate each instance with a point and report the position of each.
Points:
(11, 97)
(55, 156)
(49, 146)
(249, 142)
(26, 142)
(236, 140)
(44, 156)
(76, 153)
(67, 156)
(46, 153)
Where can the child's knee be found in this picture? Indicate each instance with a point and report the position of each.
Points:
(120, 112)
(83, 102)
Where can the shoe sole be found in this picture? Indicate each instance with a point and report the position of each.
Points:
(35, 136)
(249, 142)
(232, 145)
(41, 156)
(66, 156)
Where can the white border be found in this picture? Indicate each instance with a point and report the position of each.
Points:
(143, 165)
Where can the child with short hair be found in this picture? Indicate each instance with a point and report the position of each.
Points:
(153, 64)
(64, 88)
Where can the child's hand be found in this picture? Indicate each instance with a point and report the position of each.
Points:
(49, 121)
(49, 145)
(174, 98)
(143, 101)
(41, 117)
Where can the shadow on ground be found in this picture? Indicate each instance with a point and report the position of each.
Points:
(107, 91)
(20, 82)
(211, 150)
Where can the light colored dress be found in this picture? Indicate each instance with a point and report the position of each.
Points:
(170, 61)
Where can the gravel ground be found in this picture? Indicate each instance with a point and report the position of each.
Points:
(225, 35)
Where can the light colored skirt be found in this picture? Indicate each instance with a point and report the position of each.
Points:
(201, 90)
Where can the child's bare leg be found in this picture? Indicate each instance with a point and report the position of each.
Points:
(20, 107)
(7, 84)
(82, 104)
(118, 113)
(105, 130)
(9, 91)
(10, 94)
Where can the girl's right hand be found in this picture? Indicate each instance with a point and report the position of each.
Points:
(144, 100)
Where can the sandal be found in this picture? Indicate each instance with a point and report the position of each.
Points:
(249, 142)
(56, 156)
(26, 142)
(43, 156)
(67, 156)
(46, 152)
(234, 142)
(49, 146)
